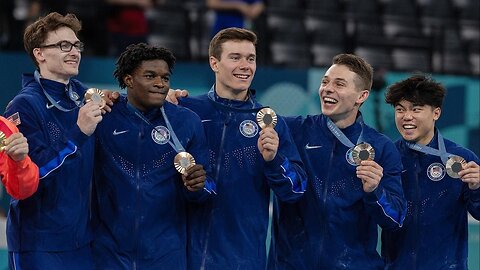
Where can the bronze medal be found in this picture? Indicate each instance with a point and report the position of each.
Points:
(362, 151)
(3, 140)
(266, 117)
(454, 165)
(183, 161)
(95, 95)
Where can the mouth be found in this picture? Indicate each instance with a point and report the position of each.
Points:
(329, 100)
(409, 126)
(242, 76)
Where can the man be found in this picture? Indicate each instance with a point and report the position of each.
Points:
(18, 173)
(440, 193)
(140, 197)
(334, 226)
(51, 229)
(230, 231)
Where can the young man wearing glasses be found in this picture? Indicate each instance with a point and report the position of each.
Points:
(51, 229)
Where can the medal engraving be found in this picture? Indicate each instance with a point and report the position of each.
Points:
(266, 117)
(96, 96)
(183, 161)
(454, 165)
(363, 151)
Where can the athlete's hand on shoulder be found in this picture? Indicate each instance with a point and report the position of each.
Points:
(370, 172)
(194, 178)
(267, 143)
(110, 98)
(16, 146)
(89, 116)
(174, 94)
(471, 174)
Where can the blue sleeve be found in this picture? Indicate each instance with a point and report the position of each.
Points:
(285, 173)
(472, 197)
(198, 147)
(387, 204)
(47, 155)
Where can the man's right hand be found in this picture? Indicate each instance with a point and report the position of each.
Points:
(174, 94)
(89, 116)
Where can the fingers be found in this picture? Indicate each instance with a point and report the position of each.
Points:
(471, 174)
(89, 116)
(194, 178)
(370, 173)
(268, 139)
(16, 146)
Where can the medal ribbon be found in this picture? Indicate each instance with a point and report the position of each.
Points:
(71, 94)
(339, 134)
(441, 152)
(176, 145)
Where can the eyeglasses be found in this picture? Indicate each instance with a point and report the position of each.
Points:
(66, 46)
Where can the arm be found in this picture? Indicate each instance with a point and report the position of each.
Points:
(19, 174)
(198, 181)
(471, 175)
(386, 203)
(49, 154)
(285, 173)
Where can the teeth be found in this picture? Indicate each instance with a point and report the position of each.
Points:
(331, 100)
(242, 76)
(409, 126)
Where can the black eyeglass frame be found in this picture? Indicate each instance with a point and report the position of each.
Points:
(66, 46)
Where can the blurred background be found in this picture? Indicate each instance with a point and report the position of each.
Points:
(297, 40)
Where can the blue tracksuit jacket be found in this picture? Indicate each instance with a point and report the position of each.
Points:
(334, 226)
(434, 235)
(56, 217)
(230, 231)
(140, 200)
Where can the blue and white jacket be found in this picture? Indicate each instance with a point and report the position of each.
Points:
(230, 231)
(435, 232)
(140, 200)
(334, 226)
(56, 217)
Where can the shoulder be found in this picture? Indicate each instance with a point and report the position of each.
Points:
(180, 112)
(457, 149)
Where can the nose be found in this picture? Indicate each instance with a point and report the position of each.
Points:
(407, 115)
(159, 82)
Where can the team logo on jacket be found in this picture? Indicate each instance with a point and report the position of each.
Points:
(248, 128)
(436, 171)
(160, 135)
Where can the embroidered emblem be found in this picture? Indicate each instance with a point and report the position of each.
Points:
(248, 128)
(349, 157)
(436, 171)
(160, 135)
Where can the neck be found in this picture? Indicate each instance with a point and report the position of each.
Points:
(52, 77)
(232, 94)
(427, 139)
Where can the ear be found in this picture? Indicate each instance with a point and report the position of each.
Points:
(436, 113)
(128, 80)
(37, 52)
(363, 96)
(214, 63)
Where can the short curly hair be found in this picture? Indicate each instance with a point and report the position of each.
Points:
(135, 54)
(418, 89)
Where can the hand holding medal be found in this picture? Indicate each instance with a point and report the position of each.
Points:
(3, 141)
(96, 96)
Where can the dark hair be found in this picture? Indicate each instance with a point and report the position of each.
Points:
(229, 34)
(36, 33)
(419, 89)
(357, 65)
(135, 54)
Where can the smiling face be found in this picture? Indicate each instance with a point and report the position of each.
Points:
(148, 86)
(416, 123)
(235, 69)
(340, 95)
(54, 63)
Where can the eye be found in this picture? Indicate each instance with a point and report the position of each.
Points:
(149, 76)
